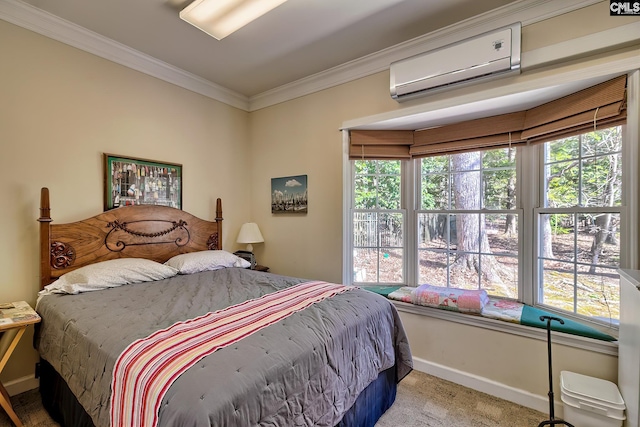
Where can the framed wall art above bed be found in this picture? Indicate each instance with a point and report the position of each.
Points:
(132, 181)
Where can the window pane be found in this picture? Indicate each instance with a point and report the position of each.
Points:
(602, 181)
(365, 167)
(365, 265)
(377, 184)
(558, 284)
(603, 141)
(460, 275)
(390, 229)
(365, 229)
(433, 268)
(502, 158)
(598, 293)
(507, 268)
(558, 238)
(563, 149)
(563, 179)
(467, 232)
(389, 167)
(389, 191)
(391, 265)
(465, 190)
(599, 239)
(435, 191)
(499, 189)
(502, 233)
(365, 192)
(437, 164)
(466, 162)
(433, 231)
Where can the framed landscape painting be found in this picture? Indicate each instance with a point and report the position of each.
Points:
(289, 194)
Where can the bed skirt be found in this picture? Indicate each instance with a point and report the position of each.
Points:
(65, 409)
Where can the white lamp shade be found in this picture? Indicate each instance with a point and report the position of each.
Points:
(250, 233)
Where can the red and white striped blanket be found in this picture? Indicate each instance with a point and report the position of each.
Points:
(146, 368)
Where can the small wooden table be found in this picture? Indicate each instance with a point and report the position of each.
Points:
(14, 319)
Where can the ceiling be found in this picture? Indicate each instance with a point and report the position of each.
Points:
(297, 39)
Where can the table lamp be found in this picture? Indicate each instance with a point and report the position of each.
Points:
(250, 233)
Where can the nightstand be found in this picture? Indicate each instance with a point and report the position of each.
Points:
(14, 319)
(259, 267)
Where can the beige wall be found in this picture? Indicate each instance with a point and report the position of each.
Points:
(301, 137)
(60, 109)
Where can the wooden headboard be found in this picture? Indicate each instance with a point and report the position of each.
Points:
(144, 231)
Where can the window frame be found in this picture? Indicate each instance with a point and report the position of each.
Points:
(404, 197)
(418, 210)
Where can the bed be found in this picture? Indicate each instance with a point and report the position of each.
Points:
(331, 361)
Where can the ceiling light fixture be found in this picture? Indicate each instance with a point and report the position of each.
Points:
(219, 18)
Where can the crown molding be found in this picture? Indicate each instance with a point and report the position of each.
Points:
(525, 11)
(31, 18)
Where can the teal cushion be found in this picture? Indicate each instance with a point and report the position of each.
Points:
(382, 290)
(531, 317)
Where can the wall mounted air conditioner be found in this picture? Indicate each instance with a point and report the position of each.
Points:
(489, 55)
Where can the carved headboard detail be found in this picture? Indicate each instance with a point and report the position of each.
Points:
(62, 255)
(123, 234)
(152, 232)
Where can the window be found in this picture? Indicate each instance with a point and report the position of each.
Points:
(378, 222)
(468, 220)
(579, 224)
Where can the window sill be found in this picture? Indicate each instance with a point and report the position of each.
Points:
(576, 341)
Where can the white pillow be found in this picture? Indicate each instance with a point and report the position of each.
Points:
(195, 262)
(110, 274)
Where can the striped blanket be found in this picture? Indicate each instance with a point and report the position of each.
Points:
(146, 368)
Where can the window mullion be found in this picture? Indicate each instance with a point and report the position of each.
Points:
(411, 175)
(531, 195)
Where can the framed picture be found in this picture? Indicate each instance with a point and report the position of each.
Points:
(289, 194)
(131, 181)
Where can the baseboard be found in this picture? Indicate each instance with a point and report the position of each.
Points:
(485, 385)
(20, 385)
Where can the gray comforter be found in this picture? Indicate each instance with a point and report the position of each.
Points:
(305, 370)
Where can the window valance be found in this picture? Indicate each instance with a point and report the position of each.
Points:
(596, 107)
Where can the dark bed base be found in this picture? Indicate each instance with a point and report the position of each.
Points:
(65, 409)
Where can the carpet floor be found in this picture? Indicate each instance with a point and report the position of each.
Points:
(422, 401)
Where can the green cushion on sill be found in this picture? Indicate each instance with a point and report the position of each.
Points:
(514, 312)
(382, 290)
(531, 317)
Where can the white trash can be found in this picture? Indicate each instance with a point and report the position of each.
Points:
(590, 402)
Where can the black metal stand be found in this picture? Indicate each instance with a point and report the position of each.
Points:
(552, 421)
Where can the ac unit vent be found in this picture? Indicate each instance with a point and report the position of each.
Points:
(486, 56)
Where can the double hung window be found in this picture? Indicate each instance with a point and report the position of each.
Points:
(467, 221)
(579, 224)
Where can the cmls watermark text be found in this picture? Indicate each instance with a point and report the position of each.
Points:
(622, 8)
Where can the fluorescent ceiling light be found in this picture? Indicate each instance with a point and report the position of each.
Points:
(219, 18)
